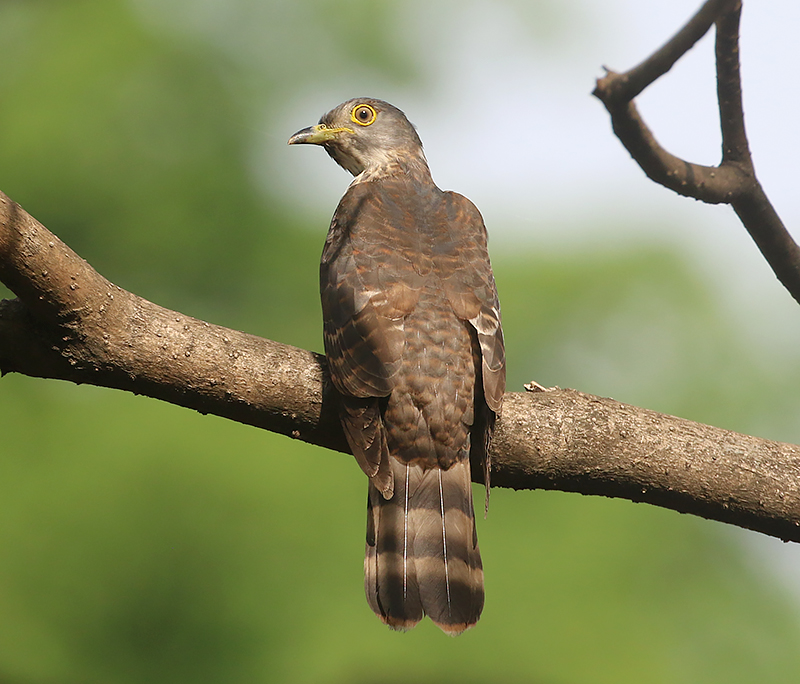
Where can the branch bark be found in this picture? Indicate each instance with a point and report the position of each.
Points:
(734, 181)
(70, 323)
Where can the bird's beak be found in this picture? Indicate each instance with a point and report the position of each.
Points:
(317, 135)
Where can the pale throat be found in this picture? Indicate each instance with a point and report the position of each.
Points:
(394, 162)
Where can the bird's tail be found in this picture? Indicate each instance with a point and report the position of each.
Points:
(422, 552)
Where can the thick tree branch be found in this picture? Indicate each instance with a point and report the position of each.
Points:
(71, 323)
(734, 181)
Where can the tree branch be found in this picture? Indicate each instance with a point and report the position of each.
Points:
(72, 324)
(735, 147)
(734, 181)
(624, 87)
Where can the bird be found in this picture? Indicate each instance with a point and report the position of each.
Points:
(414, 344)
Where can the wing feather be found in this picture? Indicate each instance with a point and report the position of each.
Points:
(367, 288)
(468, 281)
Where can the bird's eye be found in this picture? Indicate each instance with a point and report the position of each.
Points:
(363, 114)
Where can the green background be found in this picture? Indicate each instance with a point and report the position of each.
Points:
(141, 542)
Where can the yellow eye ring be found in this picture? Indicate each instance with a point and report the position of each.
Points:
(363, 115)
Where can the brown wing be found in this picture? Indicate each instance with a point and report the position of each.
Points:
(468, 281)
(368, 284)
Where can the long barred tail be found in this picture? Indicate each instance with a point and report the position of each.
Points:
(422, 554)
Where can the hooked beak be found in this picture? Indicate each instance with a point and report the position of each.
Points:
(318, 135)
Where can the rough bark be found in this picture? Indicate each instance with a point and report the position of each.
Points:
(70, 323)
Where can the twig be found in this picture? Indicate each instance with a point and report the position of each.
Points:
(624, 87)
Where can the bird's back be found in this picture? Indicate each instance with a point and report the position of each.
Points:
(396, 261)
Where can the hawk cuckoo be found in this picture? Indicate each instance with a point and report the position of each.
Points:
(413, 339)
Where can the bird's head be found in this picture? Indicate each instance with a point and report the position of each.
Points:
(365, 134)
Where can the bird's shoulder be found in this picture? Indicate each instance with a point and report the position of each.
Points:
(385, 221)
(462, 209)
(397, 230)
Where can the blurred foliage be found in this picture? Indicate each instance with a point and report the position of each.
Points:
(140, 542)
(134, 149)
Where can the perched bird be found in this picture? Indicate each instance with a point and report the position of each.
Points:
(415, 348)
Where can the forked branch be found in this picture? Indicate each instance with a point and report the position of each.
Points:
(734, 180)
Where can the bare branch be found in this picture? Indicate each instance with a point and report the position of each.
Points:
(734, 181)
(71, 323)
(571, 441)
(622, 88)
(735, 147)
(711, 184)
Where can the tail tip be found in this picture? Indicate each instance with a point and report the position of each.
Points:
(406, 624)
(454, 629)
(398, 624)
